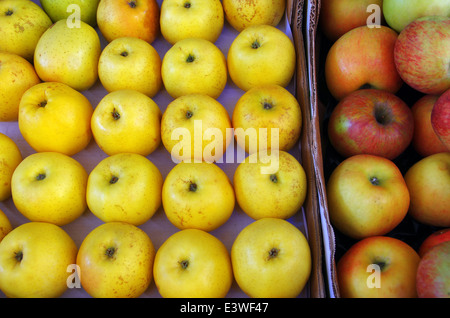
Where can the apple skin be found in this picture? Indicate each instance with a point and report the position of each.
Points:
(399, 13)
(59, 9)
(428, 182)
(440, 118)
(337, 17)
(347, 69)
(422, 54)
(425, 140)
(367, 196)
(433, 273)
(371, 121)
(398, 264)
(434, 239)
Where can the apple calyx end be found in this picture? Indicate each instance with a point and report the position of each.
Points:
(189, 114)
(256, 44)
(18, 256)
(110, 251)
(124, 54)
(273, 178)
(192, 187)
(9, 12)
(273, 253)
(375, 181)
(187, 5)
(43, 103)
(40, 176)
(113, 180)
(184, 264)
(115, 114)
(190, 58)
(132, 4)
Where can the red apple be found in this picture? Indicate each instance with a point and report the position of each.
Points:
(378, 267)
(337, 17)
(425, 140)
(367, 196)
(428, 182)
(440, 118)
(433, 273)
(362, 57)
(371, 121)
(422, 54)
(434, 239)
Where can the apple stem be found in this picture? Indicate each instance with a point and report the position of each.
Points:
(18, 256)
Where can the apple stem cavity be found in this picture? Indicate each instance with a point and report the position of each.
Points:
(115, 114)
(18, 256)
(273, 178)
(375, 181)
(256, 44)
(40, 176)
(383, 114)
(184, 264)
(273, 252)
(110, 251)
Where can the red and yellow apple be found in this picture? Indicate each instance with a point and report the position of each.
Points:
(378, 267)
(425, 140)
(434, 239)
(135, 18)
(362, 58)
(440, 118)
(367, 196)
(422, 54)
(371, 121)
(433, 273)
(337, 17)
(428, 182)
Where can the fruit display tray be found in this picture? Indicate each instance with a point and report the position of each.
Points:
(326, 159)
(158, 227)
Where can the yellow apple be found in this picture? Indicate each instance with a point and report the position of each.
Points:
(127, 121)
(85, 10)
(271, 258)
(428, 182)
(50, 187)
(135, 18)
(242, 14)
(5, 225)
(130, 63)
(197, 195)
(182, 19)
(262, 193)
(22, 22)
(367, 196)
(55, 117)
(16, 75)
(194, 66)
(68, 55)
(196, 127)
(261, 54)
(270, 116)
(192, 263)
(10, 158)
(125, 187)
(116, 261)
(34, 259)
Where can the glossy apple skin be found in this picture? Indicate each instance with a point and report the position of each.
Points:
(440, 118)
(337, 17)
(422, 54)
(434, 239)
(371, 121)
(362, 57)
(425, 140)
(397, 261)
(433, 273)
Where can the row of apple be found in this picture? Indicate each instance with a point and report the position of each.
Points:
(370, 126)
(69, 120)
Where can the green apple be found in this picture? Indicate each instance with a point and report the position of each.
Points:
(399, 13)
(86, 10)
(22, 22)
(68, 55)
